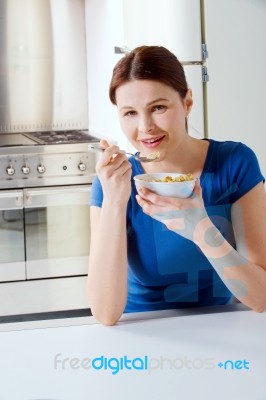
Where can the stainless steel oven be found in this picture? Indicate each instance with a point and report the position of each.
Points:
(44, 232)
(46, 169)
(45, 221)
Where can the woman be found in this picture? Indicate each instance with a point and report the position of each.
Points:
(150, 252)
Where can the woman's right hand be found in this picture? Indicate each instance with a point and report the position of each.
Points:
(114, 172)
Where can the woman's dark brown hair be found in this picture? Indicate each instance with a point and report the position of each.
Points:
(150, 63)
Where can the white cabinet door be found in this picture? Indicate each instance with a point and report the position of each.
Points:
(235, 35)
(175, 24)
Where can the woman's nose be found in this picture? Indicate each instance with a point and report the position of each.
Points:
(146, 124)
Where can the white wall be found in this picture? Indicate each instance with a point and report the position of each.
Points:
(235, 35)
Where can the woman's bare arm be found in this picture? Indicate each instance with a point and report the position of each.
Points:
(107, 275)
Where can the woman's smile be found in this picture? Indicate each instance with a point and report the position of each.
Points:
(152, 142)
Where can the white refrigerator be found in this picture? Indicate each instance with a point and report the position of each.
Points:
(221, 45)
(176, 25)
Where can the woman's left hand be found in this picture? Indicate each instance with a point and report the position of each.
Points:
(184, 216)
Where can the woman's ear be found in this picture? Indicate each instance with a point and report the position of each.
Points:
(188, 101)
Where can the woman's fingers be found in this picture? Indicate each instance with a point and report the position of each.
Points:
(112, 164)
(108, 155)
(104, 143)
(148, 207)
(122, 167)
(162, 201)
(194, 201)
(111, 156)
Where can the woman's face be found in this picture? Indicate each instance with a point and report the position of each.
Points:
(152, 115)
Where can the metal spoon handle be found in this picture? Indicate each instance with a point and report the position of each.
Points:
(151, 157)
(97, 146)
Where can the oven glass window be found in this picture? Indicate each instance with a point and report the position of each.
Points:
(12, 246)
(11, 236)
(58, 236)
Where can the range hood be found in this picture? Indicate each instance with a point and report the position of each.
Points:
(43, 71)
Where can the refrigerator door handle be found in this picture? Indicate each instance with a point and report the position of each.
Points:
(205, 76)
(204, 51)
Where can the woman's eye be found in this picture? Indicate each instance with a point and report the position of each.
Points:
(159, 107)
(130, 113)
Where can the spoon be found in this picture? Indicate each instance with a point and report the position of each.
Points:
(148, 158)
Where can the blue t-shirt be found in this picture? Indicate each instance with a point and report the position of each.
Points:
(166, 270)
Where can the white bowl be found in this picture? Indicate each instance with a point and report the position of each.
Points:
(171, 189)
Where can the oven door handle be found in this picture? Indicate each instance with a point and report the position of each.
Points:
(11, 200)
(34, 198)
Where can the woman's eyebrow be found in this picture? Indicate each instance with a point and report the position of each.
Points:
(157, 100)
(148, 104)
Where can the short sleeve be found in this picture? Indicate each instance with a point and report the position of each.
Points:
(244, 171)
(96, 193)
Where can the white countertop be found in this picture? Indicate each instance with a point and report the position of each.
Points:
(179, 351)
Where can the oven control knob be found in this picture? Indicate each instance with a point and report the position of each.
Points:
(10, 170)
(25, 169)
(82, 166)
(41, 169)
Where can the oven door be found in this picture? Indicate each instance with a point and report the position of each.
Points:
(57, 231)
(12, 252)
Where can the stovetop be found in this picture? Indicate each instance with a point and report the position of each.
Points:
(46, 138)
(15, 139)
(62, 137)
(46, 159)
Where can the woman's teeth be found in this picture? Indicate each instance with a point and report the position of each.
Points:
(152, 142)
